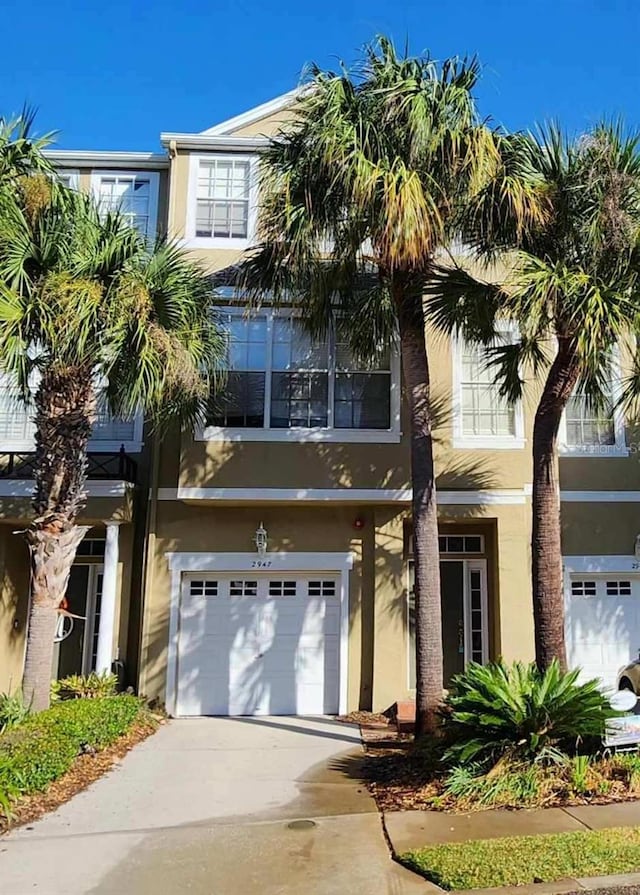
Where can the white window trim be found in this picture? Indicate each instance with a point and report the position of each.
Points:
(619, 447)
(73, 174)
(463, 441)
(180, 563)
(154, 188)
(313, 435)
(191, 241)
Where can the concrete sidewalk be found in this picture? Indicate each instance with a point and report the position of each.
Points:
(415, 829)
(206, 806)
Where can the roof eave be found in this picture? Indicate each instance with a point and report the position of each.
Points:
(203, 141)
(72, 158)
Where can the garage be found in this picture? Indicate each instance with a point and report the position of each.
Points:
(258, 644)
(602, 623)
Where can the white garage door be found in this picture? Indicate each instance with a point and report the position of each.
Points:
(603, 624)
(259, 645)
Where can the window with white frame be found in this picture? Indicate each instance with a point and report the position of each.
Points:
(17, 430)
(587, 429)
(482, 415)
(133, 194)
(279, 378)
(68, 178)
(222, 198)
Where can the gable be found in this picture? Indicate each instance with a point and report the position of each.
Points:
(264, 119)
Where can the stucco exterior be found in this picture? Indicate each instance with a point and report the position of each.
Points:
(199, 494)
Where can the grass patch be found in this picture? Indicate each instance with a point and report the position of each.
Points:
(44, 746)
(520, 860)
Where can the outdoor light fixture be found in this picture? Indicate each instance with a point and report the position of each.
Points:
(261, 540)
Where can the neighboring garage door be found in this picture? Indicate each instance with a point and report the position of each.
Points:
(259, 645)
(603, 624)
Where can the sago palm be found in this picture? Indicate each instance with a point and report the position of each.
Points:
(86, 307)
(360, 192)
(573, 292)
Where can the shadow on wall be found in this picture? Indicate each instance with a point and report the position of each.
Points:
(326, 526)
(263, 656)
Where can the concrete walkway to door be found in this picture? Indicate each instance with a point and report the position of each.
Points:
(205, 806)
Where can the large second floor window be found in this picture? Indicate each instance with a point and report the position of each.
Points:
(484, 411)
(222, 201)
(482, 417)
(134, 195)
(279, 378)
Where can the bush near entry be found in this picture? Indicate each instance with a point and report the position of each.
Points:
(45, 746)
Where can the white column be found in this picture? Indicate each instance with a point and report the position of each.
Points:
(108, 601)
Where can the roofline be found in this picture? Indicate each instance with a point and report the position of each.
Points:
(255, 114)
(207, 141)
(79, 158)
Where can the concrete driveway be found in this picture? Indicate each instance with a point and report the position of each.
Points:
(209, 806)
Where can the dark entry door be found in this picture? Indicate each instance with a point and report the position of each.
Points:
(70, 650)
(452, 599)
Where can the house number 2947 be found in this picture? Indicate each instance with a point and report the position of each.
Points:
(261, 563)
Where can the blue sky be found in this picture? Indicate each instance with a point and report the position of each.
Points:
(112, 75)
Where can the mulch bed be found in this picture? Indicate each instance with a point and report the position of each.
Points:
(400, 779)
(85, 771)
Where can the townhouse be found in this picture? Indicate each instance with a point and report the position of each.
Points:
(263, 564)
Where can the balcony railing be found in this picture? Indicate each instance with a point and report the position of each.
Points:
(111, 465)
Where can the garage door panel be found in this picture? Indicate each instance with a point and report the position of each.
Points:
(259, 645)
(603, 624)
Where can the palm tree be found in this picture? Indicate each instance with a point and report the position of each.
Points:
(574, 287)
(87, 308)
(20, 151)
(359, 194)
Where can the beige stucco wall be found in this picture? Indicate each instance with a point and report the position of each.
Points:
(291, 527)
(378, 633)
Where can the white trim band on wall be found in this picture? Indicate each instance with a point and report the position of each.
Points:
(179, 563)
(95, 488)
(343, 495)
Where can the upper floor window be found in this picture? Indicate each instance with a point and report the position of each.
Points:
(133, 194)
(68, 178)
(222, 207)
(482, 417)
(17, 430)
(593, 431)
(221, 201)
(284, 385)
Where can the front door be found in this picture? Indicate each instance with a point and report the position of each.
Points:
(452, 591)
(76, 635)
(463, 595)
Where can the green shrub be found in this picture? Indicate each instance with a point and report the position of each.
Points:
(516, 711)
(13, 710)
(85, 686)
(504, 786)
(45, 746)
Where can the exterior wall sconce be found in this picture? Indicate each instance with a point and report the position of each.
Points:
(261, 540)
(358, 523)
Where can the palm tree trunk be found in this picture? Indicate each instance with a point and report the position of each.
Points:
(426, 554)
(65, 409)
(546, 547)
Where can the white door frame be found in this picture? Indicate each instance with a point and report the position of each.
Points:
(468, 566)
(222, 563)
(94, 569)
